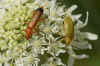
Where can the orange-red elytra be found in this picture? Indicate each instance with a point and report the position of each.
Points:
(31, 25)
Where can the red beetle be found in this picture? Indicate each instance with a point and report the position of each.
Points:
(35, 18)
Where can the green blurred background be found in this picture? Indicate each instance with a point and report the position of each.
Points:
(93, 6)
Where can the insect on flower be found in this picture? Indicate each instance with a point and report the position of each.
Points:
(35, 18)
(68, 30)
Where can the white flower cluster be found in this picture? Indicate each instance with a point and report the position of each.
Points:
(44, 47)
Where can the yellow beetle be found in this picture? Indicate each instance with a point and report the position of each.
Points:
(68, 29)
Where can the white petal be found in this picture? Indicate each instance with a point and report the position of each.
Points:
(91, 36)
(59, 62)
(76, 17)
(81, 56)
(81, 45)
(82, 24)
(72, 8)
(71, 61)
(60, 51)
(72, 53)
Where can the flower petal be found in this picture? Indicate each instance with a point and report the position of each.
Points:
(91, 36)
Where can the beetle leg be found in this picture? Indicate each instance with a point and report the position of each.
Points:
(61, 39)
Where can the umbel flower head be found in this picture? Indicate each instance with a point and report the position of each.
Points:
(46, 45)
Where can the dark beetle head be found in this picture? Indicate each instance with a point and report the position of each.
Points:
(40, 9)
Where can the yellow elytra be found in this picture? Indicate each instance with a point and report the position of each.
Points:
(68, 29)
